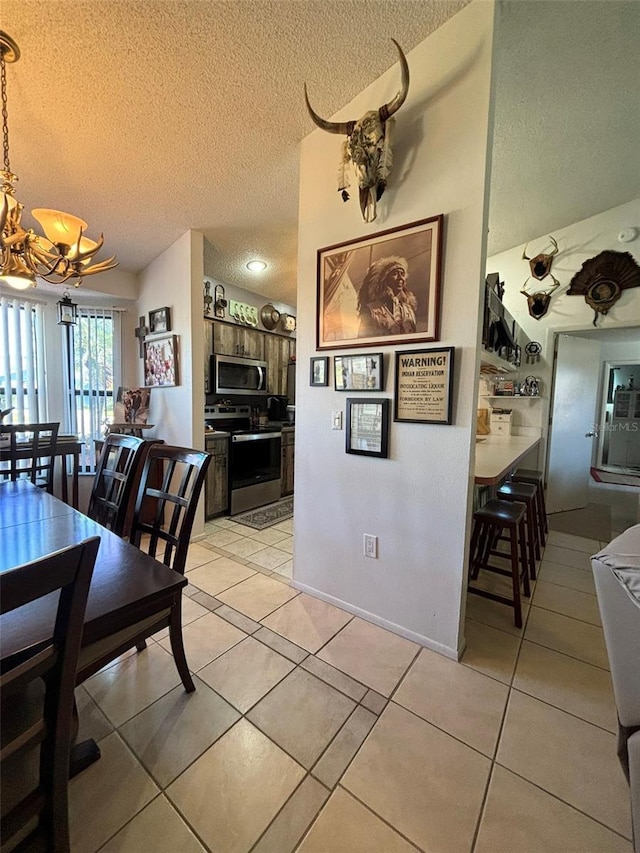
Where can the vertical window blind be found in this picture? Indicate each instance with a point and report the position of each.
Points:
(22, 371)
(93, 362)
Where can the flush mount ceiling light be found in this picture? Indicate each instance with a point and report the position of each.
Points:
(256, 266)
(63, 253)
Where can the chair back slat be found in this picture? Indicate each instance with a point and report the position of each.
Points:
(174, 501)
(116, 474)
(31, 453)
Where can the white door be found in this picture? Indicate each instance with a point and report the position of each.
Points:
(572, 422)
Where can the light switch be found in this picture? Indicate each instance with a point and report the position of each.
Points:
(336, 420)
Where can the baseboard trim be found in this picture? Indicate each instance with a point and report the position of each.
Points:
(428, 643)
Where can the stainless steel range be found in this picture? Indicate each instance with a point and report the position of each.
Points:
(254, 457)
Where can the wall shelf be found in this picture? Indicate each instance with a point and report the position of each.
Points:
(510, 397)
(490, 363)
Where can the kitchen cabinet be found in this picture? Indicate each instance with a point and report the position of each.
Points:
(278, 352)
(288, 448)
(231, 339)
(217, 482)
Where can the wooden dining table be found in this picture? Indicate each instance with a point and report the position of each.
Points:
(127, 584)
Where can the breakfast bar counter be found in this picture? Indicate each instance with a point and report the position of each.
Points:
(497, 455)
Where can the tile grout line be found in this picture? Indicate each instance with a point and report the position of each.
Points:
(503, 718)
(357, 703)
(380, 818)
(564, 802)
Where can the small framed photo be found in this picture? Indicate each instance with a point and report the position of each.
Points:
(159, 320)
(358, 372)
(368, 427)
(424, 386)
(319, 373)
(161, 361)
(381, 288)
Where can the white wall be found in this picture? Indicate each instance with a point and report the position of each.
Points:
(417, 500)
(577, 243)
(167, 282)
(174, 279)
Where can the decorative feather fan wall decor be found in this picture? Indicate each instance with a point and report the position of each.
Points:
(602, 279)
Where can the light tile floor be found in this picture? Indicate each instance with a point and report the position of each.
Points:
(311, 730)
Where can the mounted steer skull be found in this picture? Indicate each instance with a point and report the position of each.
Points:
(368, 145)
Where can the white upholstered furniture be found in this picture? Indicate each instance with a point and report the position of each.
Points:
(616, 569)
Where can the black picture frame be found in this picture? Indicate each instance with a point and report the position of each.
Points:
(362, 372)
(359, 280)
(319, 371)
(160, 320)
(368, 426)
(423, 390)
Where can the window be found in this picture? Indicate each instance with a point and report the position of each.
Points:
(93, 351)
(22, 375)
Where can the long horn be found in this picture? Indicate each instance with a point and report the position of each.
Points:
(387, 110)
(556, 250)
(343, 127)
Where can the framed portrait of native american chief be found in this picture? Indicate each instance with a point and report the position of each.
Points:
(381, 289)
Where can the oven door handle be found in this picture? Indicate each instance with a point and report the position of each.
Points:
(257, 436)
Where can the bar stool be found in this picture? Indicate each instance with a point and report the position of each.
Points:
(489, 523)
(526, 493)
(524, 475)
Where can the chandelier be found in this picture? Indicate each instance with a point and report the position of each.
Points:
(63, 253)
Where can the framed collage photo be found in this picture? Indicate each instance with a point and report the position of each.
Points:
(368, 426)
(424, 386)
(161, 361)
(358, 372)
(381, 289)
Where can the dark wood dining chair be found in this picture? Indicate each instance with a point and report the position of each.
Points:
(36, 694)
(162, 522)
(29, 452)
(117, 472)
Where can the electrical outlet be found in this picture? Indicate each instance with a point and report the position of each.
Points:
(336, 420)
(370, 546)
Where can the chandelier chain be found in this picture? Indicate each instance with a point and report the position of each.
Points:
(5, 114)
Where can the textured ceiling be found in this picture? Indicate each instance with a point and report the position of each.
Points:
(567, 115)
(150, 117)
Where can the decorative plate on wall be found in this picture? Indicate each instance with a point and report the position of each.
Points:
(270, 317)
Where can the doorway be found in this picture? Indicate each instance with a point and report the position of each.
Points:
(585, 499)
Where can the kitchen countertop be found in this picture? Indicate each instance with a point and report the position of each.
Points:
(499, 454)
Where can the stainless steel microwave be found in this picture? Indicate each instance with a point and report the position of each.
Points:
(231, 374)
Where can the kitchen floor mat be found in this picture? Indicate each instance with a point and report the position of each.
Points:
(265, 516)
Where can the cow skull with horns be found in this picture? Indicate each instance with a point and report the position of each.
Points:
(368, 145)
